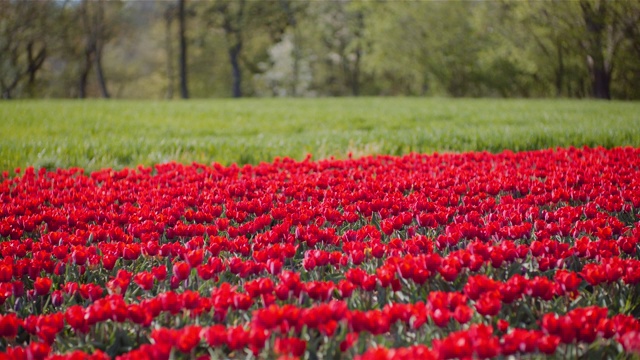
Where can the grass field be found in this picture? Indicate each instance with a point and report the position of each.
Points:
(95, 134)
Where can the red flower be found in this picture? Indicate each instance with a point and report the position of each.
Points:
(9, 325)
(568, 280)
(38, 351)
(71, 288)
(170, 302)
(441, 317)
(174, 282)
(18, 288)
(42, 286)
(631, 341)
(293, 346)
(486, 347)
(6, 272)
(274, 266)
(144, 280)
(139, 315)
(547, 344)
(188, 339)
(56, 298)
(91, 292)
(215, 335)
(160, 272)
(194, 257)
(75, 317)
(190, 299)
(489, 304)
(503, 325)
(593, 274)
(450, 269)
(462, 314)
(242, 301)
(456, 345)
(79, 256)
(348, 342)
(109, 261)
(567, 329)
(131, 251)
(237, 338)
(541, 287)
(181, 270)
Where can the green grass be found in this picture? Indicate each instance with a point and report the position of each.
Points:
(96, 134)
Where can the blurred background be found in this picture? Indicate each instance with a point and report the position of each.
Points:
(311, 48)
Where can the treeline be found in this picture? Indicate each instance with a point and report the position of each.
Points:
(223, 48)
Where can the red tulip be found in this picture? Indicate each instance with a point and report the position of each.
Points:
(38, 350)
(159, 272)
(181, 270)
(188, 339)
(462, 314)
(503, 325)
(441, 317)
(548, 344)
(9, 325)
(56, 298)
(42, 286)
(75, 317)
(144, 280)
(293, 346)
(489, 304)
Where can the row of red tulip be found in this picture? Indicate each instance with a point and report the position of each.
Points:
(449, 255)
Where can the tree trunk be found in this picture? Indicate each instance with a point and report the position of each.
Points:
(559, 71)
(34, 63)
(297, 56)
(234, 53)
(84, 75)
(89, 49)
(232, 26)
(600, 81)
(184, 91)
(169, 48)
(599, 67)
(355, 74)
(100, 74)
(296, 52)
(7, 89)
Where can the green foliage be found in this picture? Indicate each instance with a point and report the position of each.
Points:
(310, 48)
(96, 134)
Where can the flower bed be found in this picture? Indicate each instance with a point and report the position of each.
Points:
(424, 256)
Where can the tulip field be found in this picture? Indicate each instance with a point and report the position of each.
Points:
(513, 254)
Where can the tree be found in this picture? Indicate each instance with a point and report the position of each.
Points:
(97, 32)
(233, 26)
(169, 14)
(24, 44)
(242, 21)
(530, 49)
(336, 33)
(429, 47)
(184, 90)
(606, 24)
(294, 10)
